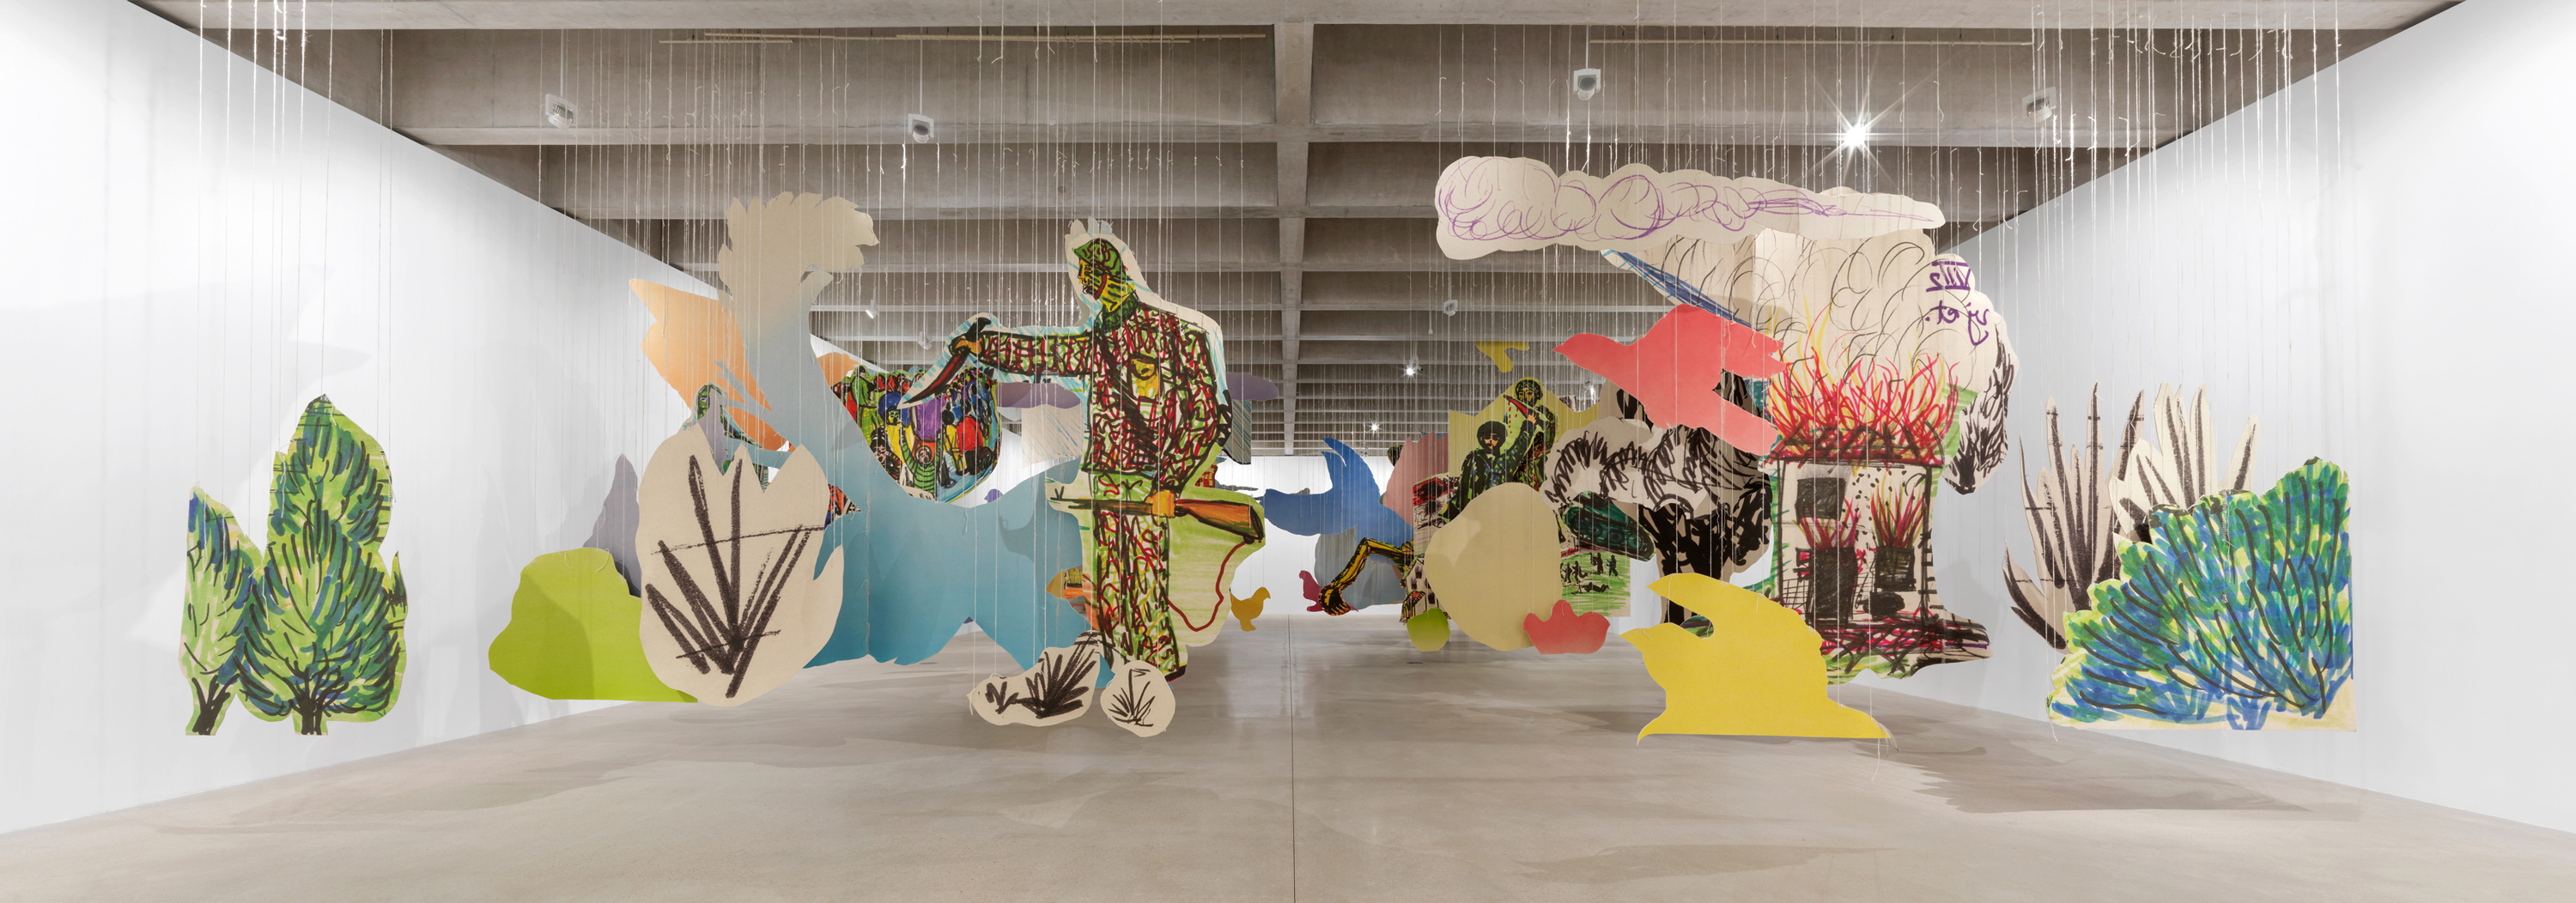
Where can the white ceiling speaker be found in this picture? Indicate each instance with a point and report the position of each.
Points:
(561, 113)
(1587, 82)
(923, 128)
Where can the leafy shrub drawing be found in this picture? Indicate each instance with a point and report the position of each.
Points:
(1058, 688)
(1139, 699)
(223, 580)
(313, 628)
(2237, 607)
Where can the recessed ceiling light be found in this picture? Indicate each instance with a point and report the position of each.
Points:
(1856, 135)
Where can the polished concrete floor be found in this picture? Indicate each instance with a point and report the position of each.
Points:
(1315, 759)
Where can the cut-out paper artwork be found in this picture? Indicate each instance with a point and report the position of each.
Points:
(1059, 688)
(1356, 529)
(1035, 393)
(2183, 465)
(696, 342)
(1495, 563)
(1138, 699)
(1247, 387)
(1878, 334)
(2073, 525)
(1497, 352)
(223, 582)
(1428, 631)
(734, 604)
(1593, 580)
(1353, 501)
(1430, 504)
(1157, 416)
(1214, 532)
(1238, 432)
(311, 628)
(1055, 434)
(1893, 364)
(1489, 204)
(573, 633)
(903, 594)
(1703, 506)
(1507, 441)
(1565, 632)
(2085, 500)
(1758, 671)
(1358, 573)
(940, 447)
(1856, 560)
(1249, 607)
(1419, 458)
(2236, 612)
(1675, 370)
(614, 531)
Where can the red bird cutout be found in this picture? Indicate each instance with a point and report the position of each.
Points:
(1564, 631)
(1675, 368)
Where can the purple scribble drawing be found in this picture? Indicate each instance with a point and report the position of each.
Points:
(1954, 276)
(1486, 199)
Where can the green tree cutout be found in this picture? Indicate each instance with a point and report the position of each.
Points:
(315, 626)
(223, 580)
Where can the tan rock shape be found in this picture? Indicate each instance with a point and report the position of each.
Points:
(732, 604)
(1496, 565)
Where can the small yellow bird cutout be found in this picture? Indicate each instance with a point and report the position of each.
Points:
(1247, 609)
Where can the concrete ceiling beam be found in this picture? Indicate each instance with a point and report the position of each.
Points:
(1067, 16)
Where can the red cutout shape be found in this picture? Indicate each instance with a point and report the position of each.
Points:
(1564, 631)
(1675, 368)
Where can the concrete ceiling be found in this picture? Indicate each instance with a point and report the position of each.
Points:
(1272, 162)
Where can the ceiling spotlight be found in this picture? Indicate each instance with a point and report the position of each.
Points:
(1449, 307)
(872, 311)
(1587, 82)
(1856, 135)
(2040, 104)
(923, 341)
(1412, 368)
(922, 128)
(560, 113)
(1372, 427)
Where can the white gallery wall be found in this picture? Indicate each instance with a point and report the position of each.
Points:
(2374, 264)
(197, 249)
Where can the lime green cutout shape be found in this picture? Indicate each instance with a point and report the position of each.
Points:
(572, 633)
(1760, 671)
(1428, 630)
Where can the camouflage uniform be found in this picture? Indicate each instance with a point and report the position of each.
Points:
(1155, 418)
